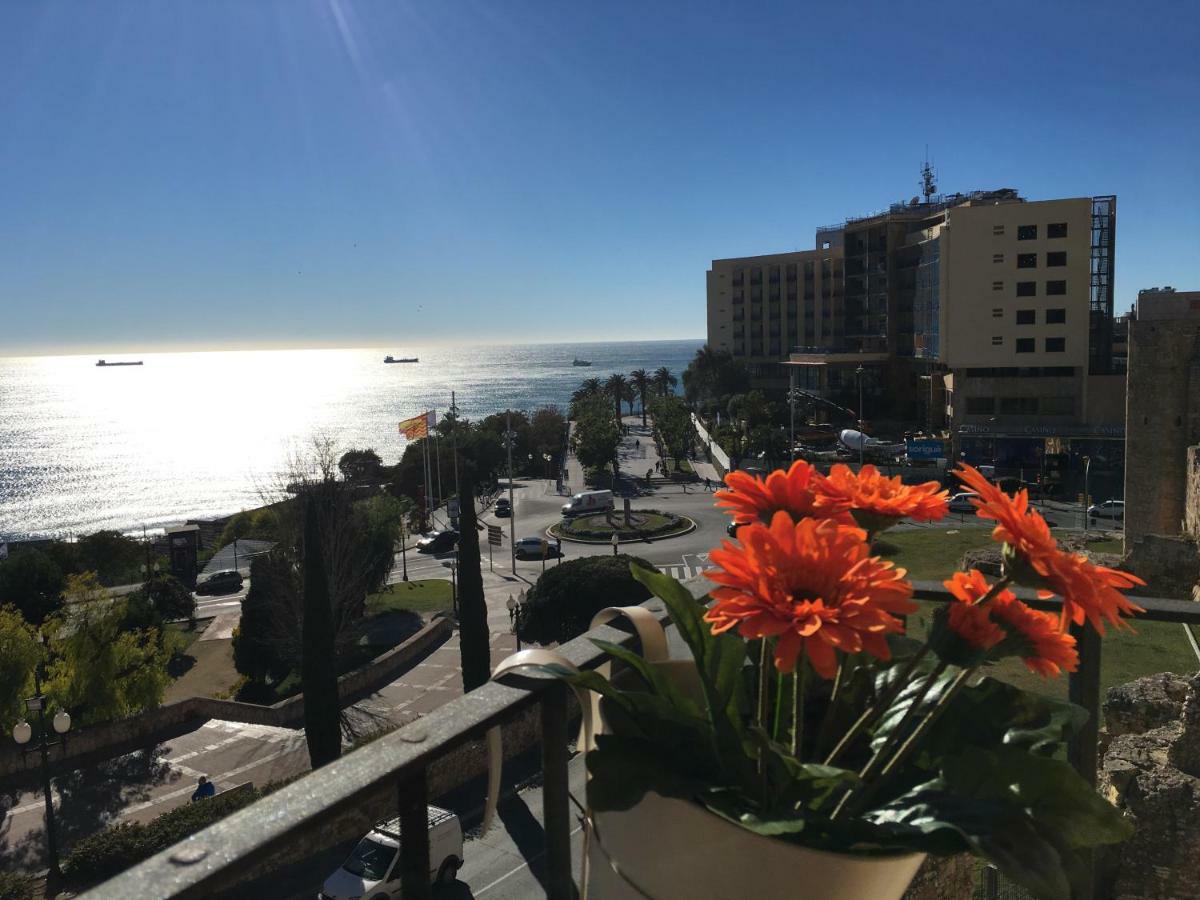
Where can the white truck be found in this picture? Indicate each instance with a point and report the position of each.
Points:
(373, 870)
(588, 502)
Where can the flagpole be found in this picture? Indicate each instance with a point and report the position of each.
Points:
(437, 447)
(425, 460)
(454, 442)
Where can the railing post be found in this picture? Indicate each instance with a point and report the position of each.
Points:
(413, 796)
(556, 812)
(1083, 688)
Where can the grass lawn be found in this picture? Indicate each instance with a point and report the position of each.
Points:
(1106, 546)
(425, 596)
(934, 553)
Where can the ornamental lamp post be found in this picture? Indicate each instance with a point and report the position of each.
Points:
(862, 438)
(23, 733)
(514, 618)
(1087, 469)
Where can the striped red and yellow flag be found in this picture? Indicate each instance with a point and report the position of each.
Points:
(416, 427)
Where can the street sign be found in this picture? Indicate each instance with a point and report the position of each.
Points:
(495, 535)
(925, 449)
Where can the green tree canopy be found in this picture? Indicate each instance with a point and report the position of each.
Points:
(673, 423)
(361, 465)
(19, 654)
(33, 583)
(597, 435)
(713, 376)
(99, 671)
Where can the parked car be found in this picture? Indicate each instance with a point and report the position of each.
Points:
(503, 508)
(961, 503)
(227, 581)
(1109, 509)
(588, 502)
(373, 868)
(438, 542)
(531, 548)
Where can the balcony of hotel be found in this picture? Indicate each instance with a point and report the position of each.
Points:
(421, 763)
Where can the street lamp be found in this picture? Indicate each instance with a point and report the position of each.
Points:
(403, 548)
(862, 438)
(23, 733)
(1087, 469)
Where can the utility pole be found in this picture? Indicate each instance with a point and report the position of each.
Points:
(512, 507)
(862, 438)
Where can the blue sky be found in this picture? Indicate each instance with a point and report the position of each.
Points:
(316, 172)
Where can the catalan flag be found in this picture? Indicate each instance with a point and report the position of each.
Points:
(416, 427)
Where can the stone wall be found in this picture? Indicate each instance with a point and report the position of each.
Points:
(1191, 510)
(1151, 771)
(99, 742)
(1170, 565)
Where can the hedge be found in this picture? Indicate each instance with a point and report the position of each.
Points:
(562, 601)
(15, 887)
(115, 849)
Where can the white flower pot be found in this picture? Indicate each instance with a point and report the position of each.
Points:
(665, 848)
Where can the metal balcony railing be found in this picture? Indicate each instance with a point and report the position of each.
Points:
(399, 763)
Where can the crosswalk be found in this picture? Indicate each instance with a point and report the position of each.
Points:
(692, 565)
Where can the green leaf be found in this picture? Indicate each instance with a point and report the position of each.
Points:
(910, 694)
(652, 677)
(624, 769)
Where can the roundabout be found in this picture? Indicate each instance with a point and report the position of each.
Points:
(643, 525)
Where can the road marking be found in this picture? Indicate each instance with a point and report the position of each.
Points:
(506, 875)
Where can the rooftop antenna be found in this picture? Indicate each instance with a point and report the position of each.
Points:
(928, 185)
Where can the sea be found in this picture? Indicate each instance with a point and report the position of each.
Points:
(206, 434)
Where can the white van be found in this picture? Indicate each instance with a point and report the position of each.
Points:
(373, 869)
(588, 502)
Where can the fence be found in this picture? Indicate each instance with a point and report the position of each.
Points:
(399, 766)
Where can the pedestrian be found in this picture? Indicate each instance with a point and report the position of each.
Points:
(637, 443)
(707, 484)
(204, 788)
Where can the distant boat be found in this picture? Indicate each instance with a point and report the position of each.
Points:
(580, 362)
(411, 359)
(107, 364)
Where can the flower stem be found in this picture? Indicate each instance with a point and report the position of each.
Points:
(876, 709)
(764, 654)
(798, 683)
(876, 762)
(777, 724)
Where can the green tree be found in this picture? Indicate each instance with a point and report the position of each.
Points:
(98, 670)
(33, 583)
(318, 666)
(664, 381)
(19, 654)
(474, 645)
(114, 557)
(254, 524)
(617, 387)
(562, 602)
(361, 465)
(548, 434)
(674, 426)
(713, 376)
(265, 643)
(596, 436)
(639, 379)
(384, 519)
(170, 599)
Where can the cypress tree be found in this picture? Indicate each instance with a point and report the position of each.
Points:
(318, 670)
(472, 608)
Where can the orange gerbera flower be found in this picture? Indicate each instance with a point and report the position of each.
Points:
(811, 584)
(1088, 591)
(752, 499)
(877, 501)
(1051, 650)
(968, 619)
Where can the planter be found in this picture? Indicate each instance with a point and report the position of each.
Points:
(664, 848)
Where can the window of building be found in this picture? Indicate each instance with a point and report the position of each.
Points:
(997, 230)
(1058, 406)
(997, 312)
(981, 406)
(997, 340)
(1026, 260)
(997, 257)
(756, 276)
(1056, 345)
(1056, 316)
(1026, 232)
(1058, 258)
(997, 285)
(1055, 288)
(1056, 230)
(1026, 288)
(738, 276)
(1018, 406)
(791, 272)
(1026, 317)
(1025, 345)
(774, 275)
(808, 271)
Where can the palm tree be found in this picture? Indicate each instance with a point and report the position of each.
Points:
(591, 386)
(640, 379)
(664, 381)
(617, 388)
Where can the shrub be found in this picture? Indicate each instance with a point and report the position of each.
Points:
(15, 887)
(563, 600)
(115, 849)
